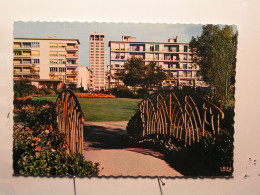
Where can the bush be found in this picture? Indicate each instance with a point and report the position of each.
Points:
(40, 148)
(134, 127)
(142, 92)
(121, 92)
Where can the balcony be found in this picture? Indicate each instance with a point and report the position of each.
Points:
(22, 73)
(72, 56)
(72, 65)
(22, 56)
(72, 48)
(22, 64)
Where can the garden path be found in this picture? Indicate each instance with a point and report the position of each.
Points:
(106, 143)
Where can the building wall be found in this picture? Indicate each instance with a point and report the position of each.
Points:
(83, 77)
(174, 57)
(52, 59)
(97, 59)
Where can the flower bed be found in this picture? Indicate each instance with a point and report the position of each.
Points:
(24, 98)
(93, 95)
(39, 148)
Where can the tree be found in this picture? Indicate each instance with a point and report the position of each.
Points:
(136, 73)
(215, 52)
(154, 75)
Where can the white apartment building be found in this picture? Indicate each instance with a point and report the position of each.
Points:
(47, 62)
(85, 78)
(174, 57)
(97, 59)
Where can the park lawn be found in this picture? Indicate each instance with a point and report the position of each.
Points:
(102, 109)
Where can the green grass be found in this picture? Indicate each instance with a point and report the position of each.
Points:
(99, 109)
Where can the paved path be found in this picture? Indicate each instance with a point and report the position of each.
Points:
(104, 143)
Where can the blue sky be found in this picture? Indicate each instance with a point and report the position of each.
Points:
(113, 31)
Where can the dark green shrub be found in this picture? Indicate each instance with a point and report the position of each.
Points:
(121, 92)
(134, 127)
(142, 92)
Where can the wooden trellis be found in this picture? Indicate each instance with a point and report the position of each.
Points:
(70, 120)
(164, 114)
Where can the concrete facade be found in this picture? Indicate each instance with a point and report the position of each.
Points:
(46, 62)
(85, 78)
(174, 57)
(97, 59)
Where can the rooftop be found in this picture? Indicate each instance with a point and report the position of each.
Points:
(47, 38)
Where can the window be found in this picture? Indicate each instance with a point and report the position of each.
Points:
(62, 45)
(53, 61)
(35, 53)
(185, 48)
(117, 65)
(25, 44)
(53, 45)
(53, 53)
(36, 61)
(185, 66)
(35, 44)
(62, 53)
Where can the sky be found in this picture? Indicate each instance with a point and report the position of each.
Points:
(113, 32)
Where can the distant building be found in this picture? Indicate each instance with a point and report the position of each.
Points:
(85, 78)
(174, 57)
(97, 59)
(46, 62)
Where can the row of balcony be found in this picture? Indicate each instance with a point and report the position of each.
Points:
(30, 64)
(149, 51)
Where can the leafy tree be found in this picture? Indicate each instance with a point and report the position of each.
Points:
(154, 75)
(215, 52)
(136, 73)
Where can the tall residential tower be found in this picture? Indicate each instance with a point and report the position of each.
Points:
(97, 59)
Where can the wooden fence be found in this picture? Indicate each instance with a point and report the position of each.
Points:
(184, 119)
(70, 120)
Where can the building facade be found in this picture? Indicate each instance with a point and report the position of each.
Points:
(97, 59)
(174, 57)
(47, 62)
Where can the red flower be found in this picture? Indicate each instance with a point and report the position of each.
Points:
(27, 128)
(38, 148)
(32, 144)
(43, 127)
(36, 139)
(51, 127)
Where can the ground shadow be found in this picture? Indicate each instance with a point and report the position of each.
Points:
(187, 162)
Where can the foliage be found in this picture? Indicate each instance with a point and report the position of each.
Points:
(39, 148)
(215, 150)
(215, 52)
(142, 92)
(24, 88)
(154, 75)
(121, 92)
(136, 73)
(134, 127)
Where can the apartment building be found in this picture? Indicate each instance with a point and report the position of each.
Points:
(174, 57)
(47, 62)
(85, 78)
(97, 59)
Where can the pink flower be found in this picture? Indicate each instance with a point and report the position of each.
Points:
(47, 131)
(32, 144)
